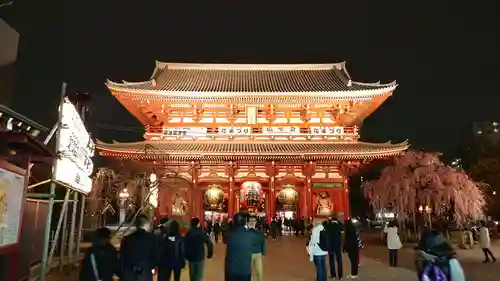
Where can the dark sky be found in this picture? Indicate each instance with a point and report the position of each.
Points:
(444, 57)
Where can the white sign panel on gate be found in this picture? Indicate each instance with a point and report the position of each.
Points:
(75, 149)
(186, 132)
(273, 131)
(231, 131)
(332, 131)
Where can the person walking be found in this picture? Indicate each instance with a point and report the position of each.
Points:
(485, 243)
(435, 259)
(317, 249)
(173, 257)
(258, 247)
(351, 247)
(393, 242)
(100, 262)
(335, 231)
(238, 260)
(217, 231)
(274, 228)
(195, 242)
(139, 252)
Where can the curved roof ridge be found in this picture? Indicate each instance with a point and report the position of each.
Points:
(128, 83)
(376, 84)
(159, 67)
(236, 66)
(403, 143)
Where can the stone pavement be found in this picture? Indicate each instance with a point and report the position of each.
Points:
(471, 260)
(287, 260)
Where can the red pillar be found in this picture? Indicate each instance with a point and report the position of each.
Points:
(347, 208)
(308, 172)
(272, 197)
(231, 171)
(201, 204)
(272, 171)
(230, 198)
(310, 199)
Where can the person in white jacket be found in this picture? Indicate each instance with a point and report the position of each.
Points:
(485, 243)
(316, 254)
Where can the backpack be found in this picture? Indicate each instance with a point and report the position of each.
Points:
(173, 247)
(433, 272)
(324, 243)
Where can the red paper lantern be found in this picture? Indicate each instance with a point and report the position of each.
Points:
(251, 196)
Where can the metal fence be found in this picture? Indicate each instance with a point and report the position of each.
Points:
(33, 227)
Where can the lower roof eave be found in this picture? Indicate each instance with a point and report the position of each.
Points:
(233, 156)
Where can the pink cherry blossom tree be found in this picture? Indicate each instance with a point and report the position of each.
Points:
(420, 179)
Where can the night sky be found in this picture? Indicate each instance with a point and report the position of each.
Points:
(444, 57)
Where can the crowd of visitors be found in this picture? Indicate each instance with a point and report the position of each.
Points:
(166, 250)
(332, 238)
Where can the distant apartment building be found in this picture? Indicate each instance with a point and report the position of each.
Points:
(9, 39)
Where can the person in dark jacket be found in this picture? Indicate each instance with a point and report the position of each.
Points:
(139, 252)
(335, 230)
(101, 259)
(434, 250)
(351, 247)
(217, 231)
(238, 261)
(274, 228)
(173, 258)
(258, 247)
(195, 242)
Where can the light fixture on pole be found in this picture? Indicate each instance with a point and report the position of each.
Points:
(153, 189)
(124, 195)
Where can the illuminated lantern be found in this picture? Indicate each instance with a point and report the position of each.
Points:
(288, 197)
(251, 196)
(214, 196)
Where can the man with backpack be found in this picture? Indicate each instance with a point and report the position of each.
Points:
(139, 252)
(195, 242)
(317, 249)
(335, 230)
(173, 258)
(100, 262)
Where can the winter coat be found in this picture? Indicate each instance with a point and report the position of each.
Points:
(195, 242)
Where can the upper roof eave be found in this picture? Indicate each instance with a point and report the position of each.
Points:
(364, 148)
(243, 66)
(355, 94)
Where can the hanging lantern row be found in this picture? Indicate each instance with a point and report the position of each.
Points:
(251, 196)
(214, 196)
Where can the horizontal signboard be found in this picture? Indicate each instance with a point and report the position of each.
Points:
(241, 131)
(281, 130)
(327, 185)
(187, 132)
(327, 131)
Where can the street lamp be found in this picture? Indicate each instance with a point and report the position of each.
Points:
(153, 196)
(124, 195)
(428, 211)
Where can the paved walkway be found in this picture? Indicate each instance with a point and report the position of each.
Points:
(287, 260)
(471, 260)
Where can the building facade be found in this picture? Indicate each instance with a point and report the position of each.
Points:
(266, 138)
